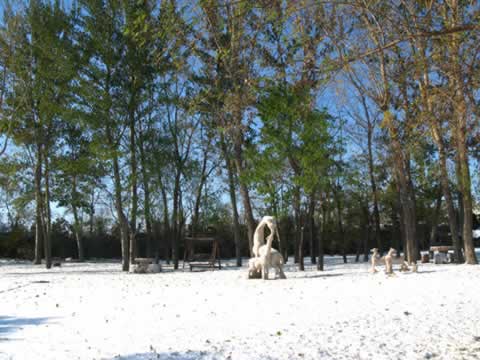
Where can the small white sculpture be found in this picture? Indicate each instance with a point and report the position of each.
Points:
(389, 260)
(376, 260)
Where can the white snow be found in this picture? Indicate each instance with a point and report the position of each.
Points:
(94, 311)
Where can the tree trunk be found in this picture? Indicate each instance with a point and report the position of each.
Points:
(321, 233)
(397, 231)
(359, 250)
(134, 188)
(409, 221)
(77, 234)
(123, 223)
(146, 200)
(373, 183)
(117, 184)
(76, 222)
(301, 266)
(238, 159)
(434, 224)
(311, 227)
(465, 188)
(92, 213)
(366, 238)
(38, 208)
(281, 246)
(401, 222)
(341, 230)
(199, 192)
(444, 181)
(233, 200)
(284, 226)
(47, 239)
(297, 226)
(175, 221)
(166, 222)
(413, 201)
(460, 214)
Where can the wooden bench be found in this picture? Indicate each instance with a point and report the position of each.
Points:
(202, 260)
(441, 248)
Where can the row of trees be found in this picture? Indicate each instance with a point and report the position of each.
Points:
(328, 115)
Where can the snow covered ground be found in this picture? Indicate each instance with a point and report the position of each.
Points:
(94, 311)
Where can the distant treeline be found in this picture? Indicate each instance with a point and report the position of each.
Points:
(19, 241)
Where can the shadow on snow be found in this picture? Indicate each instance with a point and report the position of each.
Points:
(188, 355)
(10, 324)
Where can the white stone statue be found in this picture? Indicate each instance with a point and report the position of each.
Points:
(259, 235)
(265, 257)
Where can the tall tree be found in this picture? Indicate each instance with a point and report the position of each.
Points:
(43, 72)
(227, 35)
(455, 13)
(102, 97)
(299, 137)
(138, 76)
